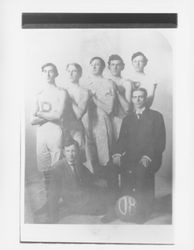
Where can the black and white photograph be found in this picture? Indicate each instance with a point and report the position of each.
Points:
(97, 135)
(96, 125)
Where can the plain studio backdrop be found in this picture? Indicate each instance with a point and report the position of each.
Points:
(63, 46)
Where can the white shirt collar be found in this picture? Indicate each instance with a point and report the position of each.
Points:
(72, 166)
(139, 111)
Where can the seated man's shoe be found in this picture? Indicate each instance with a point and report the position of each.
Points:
(41, 210)
(52, 220)
(143, 215)
(139, 219)
(109, 216)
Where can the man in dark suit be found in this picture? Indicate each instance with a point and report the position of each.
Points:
(73, 184)
(139, 151)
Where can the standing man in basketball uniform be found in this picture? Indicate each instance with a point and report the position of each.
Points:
(123, 92)
(47, 115)
(76, 106)
(140, 147)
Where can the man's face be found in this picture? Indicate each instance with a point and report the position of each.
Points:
(73, 74)
(96, 67)
(138, 99)
(116, 67)
(139, 63)
(71, 154)
(49, 74)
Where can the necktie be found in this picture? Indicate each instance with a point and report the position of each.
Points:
(76, 172)
(139, 116)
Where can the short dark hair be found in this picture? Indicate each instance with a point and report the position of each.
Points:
(115, 57)
(78, 67)
(139, 53)
(70, 141)
(52, 65)
(101, 60)
(140, 89)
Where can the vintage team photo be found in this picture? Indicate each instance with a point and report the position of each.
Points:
(98, 126)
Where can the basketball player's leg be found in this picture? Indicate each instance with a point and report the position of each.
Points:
(48, 153)
(42, 151)
(54, 143)
(43, 164)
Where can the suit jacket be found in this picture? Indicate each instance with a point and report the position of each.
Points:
(144, 136)
(78, 190)
(67, 183)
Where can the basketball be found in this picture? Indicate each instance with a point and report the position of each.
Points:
(126, 207)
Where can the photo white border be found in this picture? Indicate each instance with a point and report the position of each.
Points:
(99, 233)
(11, 104)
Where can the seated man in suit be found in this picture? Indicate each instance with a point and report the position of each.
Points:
(139, 151)
(73, 183)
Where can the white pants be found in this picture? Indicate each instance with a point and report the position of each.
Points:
(49, 145)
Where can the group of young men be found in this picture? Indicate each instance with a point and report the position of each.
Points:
(104, 130)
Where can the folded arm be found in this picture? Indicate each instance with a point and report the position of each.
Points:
(35, 120)
(54, 114)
